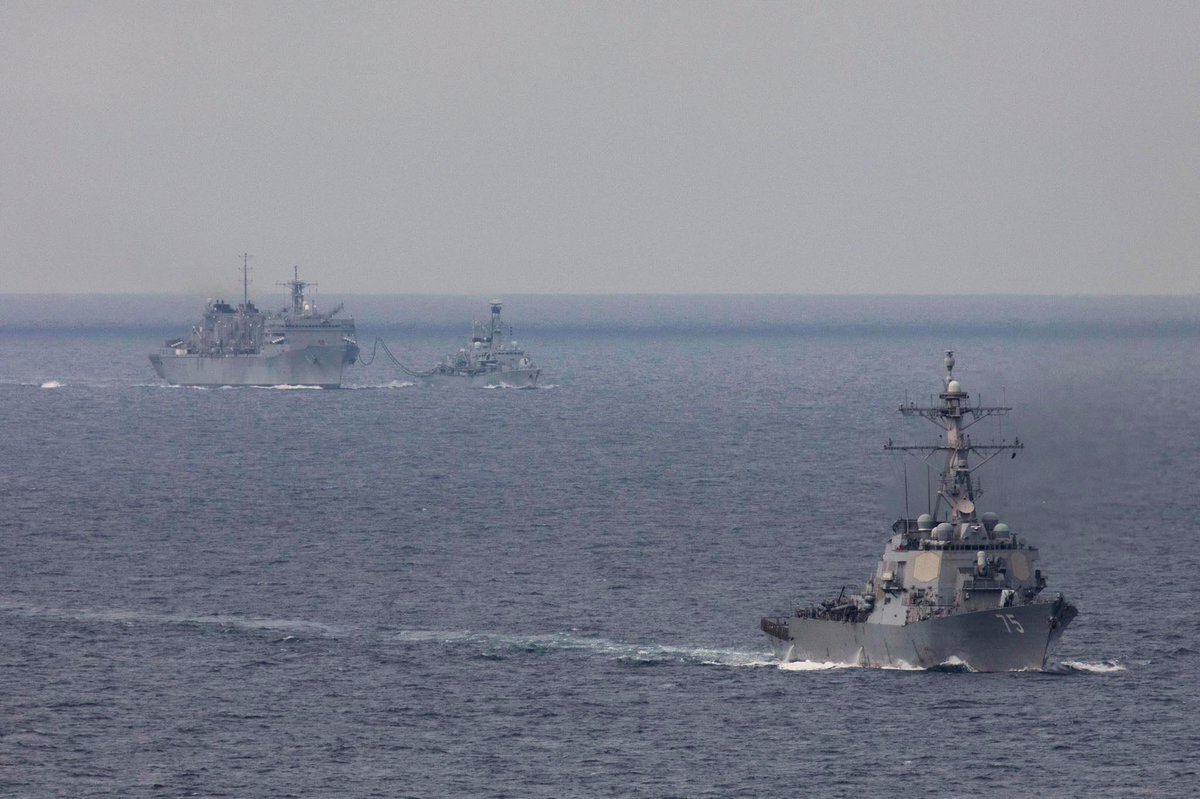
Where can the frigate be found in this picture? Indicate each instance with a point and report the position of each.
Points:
(242, 346)
(954, 587)
(487, 360)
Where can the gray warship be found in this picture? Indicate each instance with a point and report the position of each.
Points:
(954, 588)
(242, 346)
(487, 361)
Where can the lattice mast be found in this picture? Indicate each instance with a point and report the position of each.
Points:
(957, 488)
(245, 279)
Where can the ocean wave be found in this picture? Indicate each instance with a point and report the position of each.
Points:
(1082, 667)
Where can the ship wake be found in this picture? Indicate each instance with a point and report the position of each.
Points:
(488, 646)
(381, 386)
(494, 646)
(119, 616)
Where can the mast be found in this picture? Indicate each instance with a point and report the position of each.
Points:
(297, 287)
(957, 488)
(246, 280)
(497, 324)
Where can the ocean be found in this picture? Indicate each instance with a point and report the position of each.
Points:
(392, 590)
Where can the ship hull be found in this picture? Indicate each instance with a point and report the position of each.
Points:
(508, 378)
(311, 366)
(1012, 638)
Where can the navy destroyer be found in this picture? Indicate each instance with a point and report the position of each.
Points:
(954, 587)
(487, 360)
(243, 346)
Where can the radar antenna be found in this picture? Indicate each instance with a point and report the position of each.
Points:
(957, 489)
(297, 287)
(497, 329)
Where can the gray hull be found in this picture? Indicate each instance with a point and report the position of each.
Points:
(311, 366)
(509, 378)
(1001, 639)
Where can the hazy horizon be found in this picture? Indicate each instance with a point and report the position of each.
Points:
(601, 149)
(734, 314)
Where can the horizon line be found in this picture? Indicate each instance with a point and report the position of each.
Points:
(899, 295)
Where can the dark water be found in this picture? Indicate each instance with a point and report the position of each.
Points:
(402, 591)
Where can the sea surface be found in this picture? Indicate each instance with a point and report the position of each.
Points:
(392, 590)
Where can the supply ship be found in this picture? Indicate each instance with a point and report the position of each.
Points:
(242, 346)
(953, 588)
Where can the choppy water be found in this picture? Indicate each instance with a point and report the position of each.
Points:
(404, 591)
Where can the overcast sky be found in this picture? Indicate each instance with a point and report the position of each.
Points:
(559, 147)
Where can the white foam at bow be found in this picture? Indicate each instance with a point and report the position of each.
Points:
(813, 665)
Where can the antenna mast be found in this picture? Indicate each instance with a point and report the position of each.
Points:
(297, 287)
(245, 279)
(957, 488)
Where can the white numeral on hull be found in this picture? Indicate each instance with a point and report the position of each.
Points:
(1010, 622)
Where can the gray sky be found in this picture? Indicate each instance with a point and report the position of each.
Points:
(1024, 147)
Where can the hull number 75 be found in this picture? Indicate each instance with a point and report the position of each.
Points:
(1010, 622)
